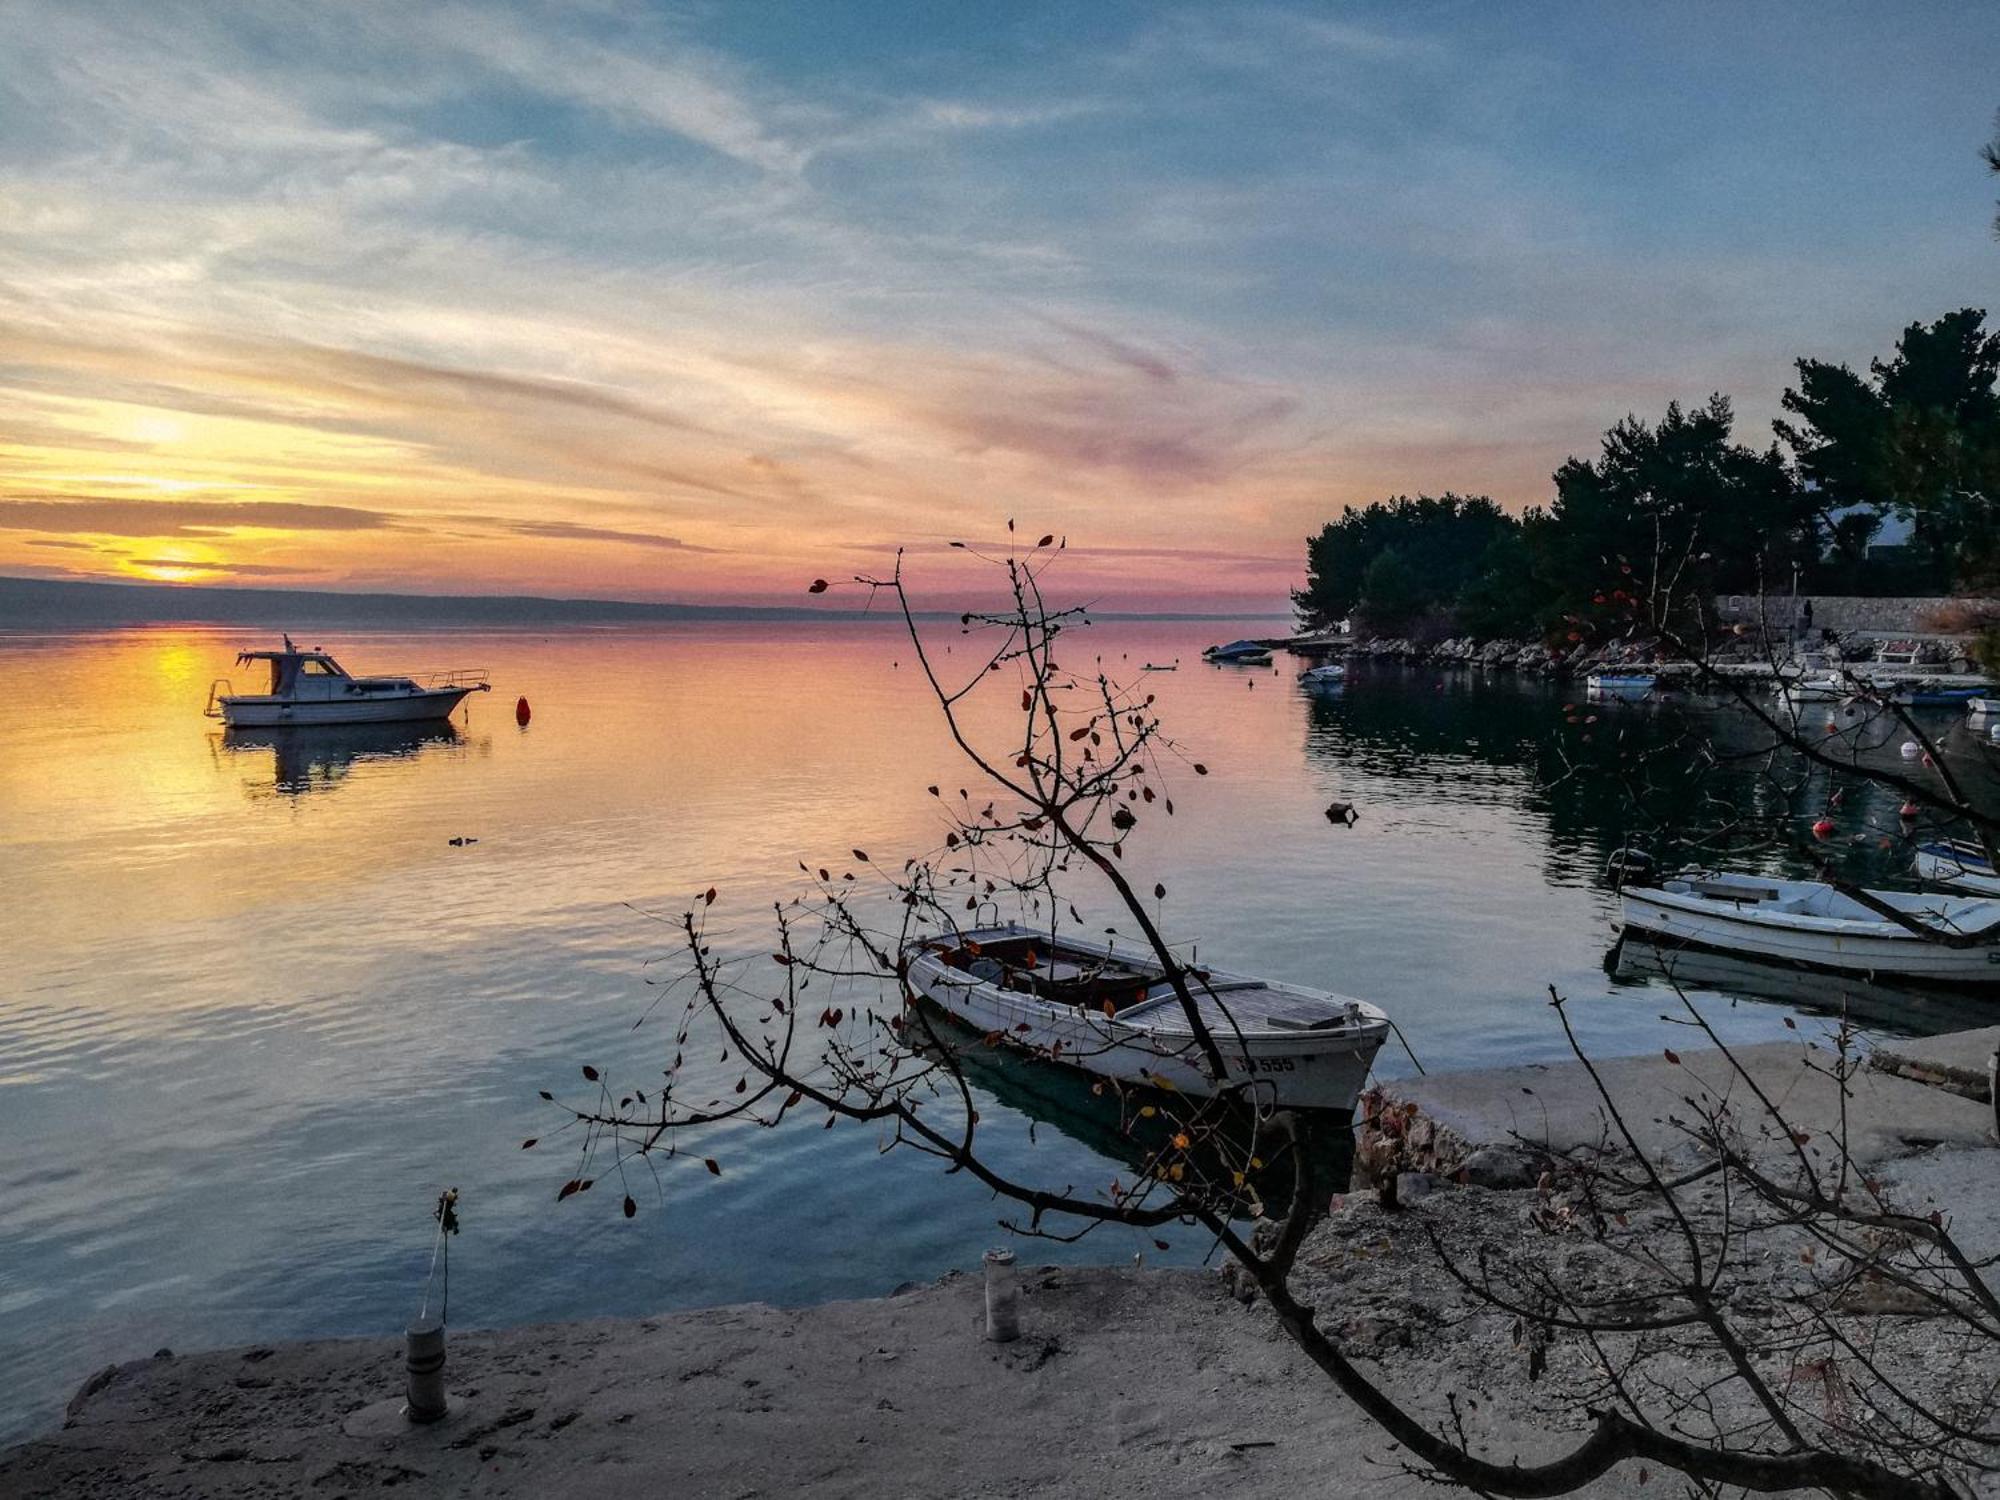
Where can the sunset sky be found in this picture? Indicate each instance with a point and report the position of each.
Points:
(698, 302)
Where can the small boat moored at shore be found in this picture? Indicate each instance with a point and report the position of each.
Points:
(1981, 706)
(1628, 685)
(1239, 654)
(1813, 925)
(310, 687)
(1957, 865)
(1332, 675)
(1118, 1016)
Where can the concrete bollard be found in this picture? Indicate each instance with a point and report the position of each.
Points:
(423, 1354)
(1993, 1080)
(1003, 1298)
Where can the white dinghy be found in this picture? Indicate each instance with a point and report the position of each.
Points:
(1807, 923)
(1117, 1016)
(1331, 675)
(310, 687)
(1957, 865)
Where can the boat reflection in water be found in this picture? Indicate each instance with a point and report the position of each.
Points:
(1898, 1006)
(318, 758)
(1070, 1101)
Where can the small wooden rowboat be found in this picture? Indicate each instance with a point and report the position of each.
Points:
(1116, 1015)
(1806, 923)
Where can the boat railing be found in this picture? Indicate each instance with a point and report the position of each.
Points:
(219, 689)
(436, 679)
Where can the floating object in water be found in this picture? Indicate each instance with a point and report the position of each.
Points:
(1811, 924)
(1117, 1015)
(522, 713)
(1823, 829)
(461, 841)
(310, 687)
(1342, 813)
(1907, 810)
(1911, 750)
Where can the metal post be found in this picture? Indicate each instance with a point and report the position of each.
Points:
(1003, 1298)
(423, 1354)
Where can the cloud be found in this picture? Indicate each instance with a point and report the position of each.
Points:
(247, 570)
(184, 517)
(570, 531)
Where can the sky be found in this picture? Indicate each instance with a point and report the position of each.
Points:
(702, 301)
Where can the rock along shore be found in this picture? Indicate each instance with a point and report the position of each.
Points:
(1124, 1380)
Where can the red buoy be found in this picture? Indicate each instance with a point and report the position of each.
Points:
(521, 711)
(1823, 829)
(1907, 810)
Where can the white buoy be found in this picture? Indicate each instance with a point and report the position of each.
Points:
(423, 1355)
(1003, 1298)
(1911, 749)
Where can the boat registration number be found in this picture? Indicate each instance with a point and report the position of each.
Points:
(1268, 1065)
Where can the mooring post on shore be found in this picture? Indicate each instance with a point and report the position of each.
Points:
(423, 1356)
(1993, 1088)
(1003, 1298)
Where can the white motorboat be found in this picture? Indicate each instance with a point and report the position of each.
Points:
(1957, 865)
(1982, 708)
(1630, 686)
(1815, 687)
(310, 687)
(1332, 675)
(1239, 654)
(1116, 1015)
(1814, 925)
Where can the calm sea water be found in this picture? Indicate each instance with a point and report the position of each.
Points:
(256, 1009)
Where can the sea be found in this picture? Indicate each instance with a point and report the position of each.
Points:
(263, 997)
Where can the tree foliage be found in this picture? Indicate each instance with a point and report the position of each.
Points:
(1918, 439)
(1441, 543)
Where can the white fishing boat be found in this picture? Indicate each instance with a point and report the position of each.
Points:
(1332, 675)
(1982, 708)
(1957, 865)
(310, 687)
(1814, 925)
(1630, 686)
(1116, 1015)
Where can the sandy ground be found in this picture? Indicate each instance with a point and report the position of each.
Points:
(1124, 1381)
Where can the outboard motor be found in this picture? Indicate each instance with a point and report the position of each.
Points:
(1629, 866)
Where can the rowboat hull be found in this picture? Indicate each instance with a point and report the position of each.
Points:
(1941, 865)
(1297, 1069)
(400, 708)
(1847, 945)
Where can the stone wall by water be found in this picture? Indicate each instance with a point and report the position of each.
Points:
(1845, 614)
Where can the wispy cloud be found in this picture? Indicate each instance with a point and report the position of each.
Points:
(630, 298)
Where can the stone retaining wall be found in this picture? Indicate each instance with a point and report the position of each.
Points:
(1844, 614)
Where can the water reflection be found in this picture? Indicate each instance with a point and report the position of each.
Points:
(319, 758)
(1905, 1007)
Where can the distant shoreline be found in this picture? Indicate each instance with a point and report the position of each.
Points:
(29, 603)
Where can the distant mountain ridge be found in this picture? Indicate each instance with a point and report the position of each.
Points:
(28, 602)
